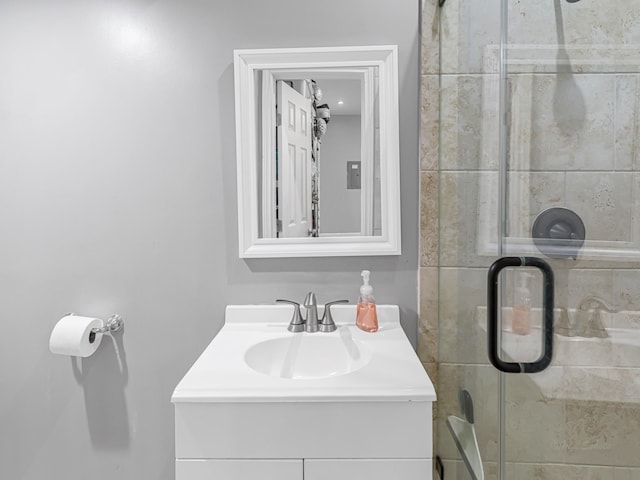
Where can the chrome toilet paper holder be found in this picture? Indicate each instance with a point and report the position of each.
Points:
(113, 324)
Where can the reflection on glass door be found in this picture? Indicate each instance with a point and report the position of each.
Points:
(540, 124)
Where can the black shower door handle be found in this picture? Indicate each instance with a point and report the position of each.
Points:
(547, 315)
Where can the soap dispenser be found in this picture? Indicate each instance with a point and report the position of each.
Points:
(366, 315)
(521, 321)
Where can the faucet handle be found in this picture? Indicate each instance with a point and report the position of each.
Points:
(327, 324)
(562, 324)
(297, 323)
(593, 302)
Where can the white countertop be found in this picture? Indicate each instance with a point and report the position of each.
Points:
(394, 372)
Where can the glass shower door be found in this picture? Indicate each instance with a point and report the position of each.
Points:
(540, 157)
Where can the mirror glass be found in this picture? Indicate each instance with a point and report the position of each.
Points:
(311, 131)
(318, 175)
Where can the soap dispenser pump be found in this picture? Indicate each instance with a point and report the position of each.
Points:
(366, 315)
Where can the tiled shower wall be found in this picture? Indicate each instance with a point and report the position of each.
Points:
(574, 142)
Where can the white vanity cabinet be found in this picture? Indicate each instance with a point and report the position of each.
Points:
(239, 469)
(304, 440)
(372, 421)
(370, 469)
(313, 469)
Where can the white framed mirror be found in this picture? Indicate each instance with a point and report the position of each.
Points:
(317, 145)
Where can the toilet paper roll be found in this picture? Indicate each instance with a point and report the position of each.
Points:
(72, 336)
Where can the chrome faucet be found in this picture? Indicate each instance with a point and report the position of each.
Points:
(589, 317)
(311, 305)
(297, 322)
(587, 321)
(311, 324)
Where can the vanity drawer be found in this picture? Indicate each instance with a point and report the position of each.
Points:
(239, 469)
(295, 430)
(371, 469)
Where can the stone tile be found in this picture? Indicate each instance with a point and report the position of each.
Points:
(460, 338)
(576, 279)
(429, 122)
(583, 23)
(611, 384)
(577, 352)
(533, 419)
(601, 199)
(617, 255)
(626, 289)
(467, 28)
(456, 470)
(429, 219)
(525, 19)
(468, 122)
(432, 371)
(427, 345)
(428, 288)
(570, 117)
(628, 24)
(481, 382)
(529, 194)
(627, 319)
(450, 38)
(582, 282)
(600, 433)
(635, 222)
(428, 324)
(587, 25)
(627, 123)
(546, 386)
(555, 471)
(577, 59)
(468, 218)
(626, 473)
(451, 468)
(490, 470)
(430, 31)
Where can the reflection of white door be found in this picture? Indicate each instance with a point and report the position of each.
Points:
(294, 161)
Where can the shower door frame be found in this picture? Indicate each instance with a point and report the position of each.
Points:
(609, 250)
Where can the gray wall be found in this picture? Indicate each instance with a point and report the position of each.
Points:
(117, 194)
(339, 206)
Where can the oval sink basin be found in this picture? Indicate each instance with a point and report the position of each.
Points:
(307, 356)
